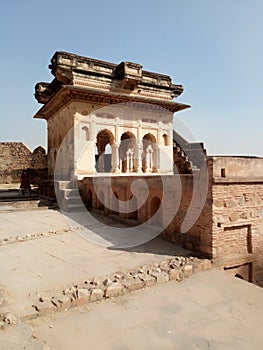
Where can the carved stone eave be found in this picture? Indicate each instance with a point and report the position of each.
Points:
(69, 93)
(125, 77)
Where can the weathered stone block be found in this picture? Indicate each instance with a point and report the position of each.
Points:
(133, 283)
(174, 274)
(64, 302)
(188, 270)
(161, 277)
(83, 296)
(148, 280)
(96, 294)
(45, 308)
(114, 290)
(233, 216)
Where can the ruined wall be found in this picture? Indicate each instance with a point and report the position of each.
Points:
(174, 209)
(238, 216)
(16, 156)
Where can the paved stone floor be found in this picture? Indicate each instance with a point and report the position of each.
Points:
(211, 310)
(40, 267)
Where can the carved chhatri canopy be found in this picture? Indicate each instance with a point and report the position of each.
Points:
(90, 79)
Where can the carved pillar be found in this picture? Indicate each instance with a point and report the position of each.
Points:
(101, 161)
(129, 160)
(148, 159)
(155, 159)
(138, 157)
(115, 161)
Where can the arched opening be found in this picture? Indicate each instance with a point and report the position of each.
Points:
(89, 199)
(149, 153)
(154, 208)
(101, 201)
(127, 147)
(105, 139)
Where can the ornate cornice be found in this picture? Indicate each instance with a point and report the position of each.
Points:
(69, 93)
(126, 77)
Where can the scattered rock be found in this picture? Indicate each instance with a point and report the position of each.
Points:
(133, 284)
(114, 290)
(107, 282)
(148, 280)
(174, 274)
(96, 282)
(96, 294)
(161, 277)
(45, 308)
(82, 293)
(83, 297)
(187, 270)
(64, 301)
(164, 266)
(175, 269)
(9, 318)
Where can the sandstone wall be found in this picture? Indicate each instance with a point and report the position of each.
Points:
(16, 156)
(238, 217)
(174, 209)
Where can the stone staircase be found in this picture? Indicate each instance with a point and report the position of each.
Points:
(68, 196)
(188, 156)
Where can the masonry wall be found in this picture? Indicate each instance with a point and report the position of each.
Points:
(229, 226)
(238, 216)
(193, 232)
(16, 156)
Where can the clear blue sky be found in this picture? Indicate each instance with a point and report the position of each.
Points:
(214, 48)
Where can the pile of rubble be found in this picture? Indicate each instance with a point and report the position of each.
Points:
(29, 236)
(94, 290)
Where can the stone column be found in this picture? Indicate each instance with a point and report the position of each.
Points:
(129, 160)
(101, 161)
(138, 157)
(115, 159)
(155, 156)
(148, 159)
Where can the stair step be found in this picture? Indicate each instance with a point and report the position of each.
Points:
(64, 185)
(71, 192)
(74, 207)
(74, 200)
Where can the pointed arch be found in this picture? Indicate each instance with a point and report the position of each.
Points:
(149, 153)
(103, 162)
(126, 150)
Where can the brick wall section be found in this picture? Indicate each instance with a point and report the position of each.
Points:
(238, 226)
(238, 216)
(16, 156)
